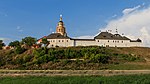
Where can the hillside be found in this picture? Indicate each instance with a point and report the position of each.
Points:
(76, 58)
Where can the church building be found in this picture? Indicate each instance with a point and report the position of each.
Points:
(105, 39)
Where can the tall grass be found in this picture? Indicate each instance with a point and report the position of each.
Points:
(130, 79)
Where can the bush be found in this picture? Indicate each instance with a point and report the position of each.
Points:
(27, 58)
(18, 60)
(99, 58)
(19, 50)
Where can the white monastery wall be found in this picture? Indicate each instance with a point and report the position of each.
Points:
(113, 43)
(84, 43)
(59, 42)
(135, 44)
(96, 42)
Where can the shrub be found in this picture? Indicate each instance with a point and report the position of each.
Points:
(19, 60)
(99, 58)
(1, 44)
(27, 58)
(19, 50)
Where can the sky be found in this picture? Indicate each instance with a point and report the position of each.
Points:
(82, 18)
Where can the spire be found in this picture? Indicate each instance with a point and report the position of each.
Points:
(60, 17)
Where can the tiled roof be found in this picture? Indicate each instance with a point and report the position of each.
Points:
(57, 36)
(83, 39)
(102, 35)
(138, 40)
(106, 35)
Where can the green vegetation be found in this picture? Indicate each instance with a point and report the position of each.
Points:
(19, 50)
(75, 58)
(23, 55)
(45, 42)
(28, 41)
(1, 44)
(128, 79)
(14, 44)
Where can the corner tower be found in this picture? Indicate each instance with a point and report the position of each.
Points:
(60, 27)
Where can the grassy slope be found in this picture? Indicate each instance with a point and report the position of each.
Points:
(142, 52)
(130, 79)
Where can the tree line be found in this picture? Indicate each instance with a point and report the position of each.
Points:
(25, 44)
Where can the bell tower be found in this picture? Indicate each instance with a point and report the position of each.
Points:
(60, 27)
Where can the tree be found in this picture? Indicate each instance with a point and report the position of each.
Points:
(1, 44)
(45, 42)
(14, 44)
(19, 50)
(28, 41)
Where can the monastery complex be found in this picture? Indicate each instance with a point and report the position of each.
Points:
(105, 39)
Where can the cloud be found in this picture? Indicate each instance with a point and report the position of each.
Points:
(129, 10)
(134, 23)
(145, 35)
(5, 39)
(2, 38)
(19, 28)
(115, 15)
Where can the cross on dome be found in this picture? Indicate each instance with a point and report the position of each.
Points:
(61, 17)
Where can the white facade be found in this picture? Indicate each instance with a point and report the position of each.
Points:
(94, 42)
(59, 42)
(112, 43)
(83, 42)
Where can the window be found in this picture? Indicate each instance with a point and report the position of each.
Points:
(62, 40)
(122, 41)
(97, 40)
(113, 41)
(59, 41)
(107, 45)
(108, 41)
(53, 40)
(67, 40)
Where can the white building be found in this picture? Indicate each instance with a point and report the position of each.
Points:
(105, 39)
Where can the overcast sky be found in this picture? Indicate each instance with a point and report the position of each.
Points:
(82, 18)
